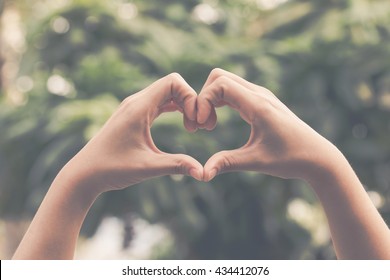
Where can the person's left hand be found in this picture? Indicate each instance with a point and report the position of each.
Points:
(123, 152)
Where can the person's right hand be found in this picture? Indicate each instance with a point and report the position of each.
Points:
(280, 144)
(123, 152)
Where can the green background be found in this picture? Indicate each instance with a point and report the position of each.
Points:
(329, 61)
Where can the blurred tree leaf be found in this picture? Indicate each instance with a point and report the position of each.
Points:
(325, 59)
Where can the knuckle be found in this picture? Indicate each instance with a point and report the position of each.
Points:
(174, 82)
(174, 77)
(226, 162)
(180, 166)
(265, 106)
(127, 101)
(216, 73)
(264, 90)
(222, 84)
(221, 80)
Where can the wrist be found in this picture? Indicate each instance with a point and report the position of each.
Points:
(76, 184)
(326, 165)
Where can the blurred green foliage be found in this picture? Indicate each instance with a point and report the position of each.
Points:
(327, 60)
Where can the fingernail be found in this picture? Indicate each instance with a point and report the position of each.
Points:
(212, 174)
(196, 174)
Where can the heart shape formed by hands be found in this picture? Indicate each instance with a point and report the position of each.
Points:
(279, 141)
(170, 135)
(123, 152)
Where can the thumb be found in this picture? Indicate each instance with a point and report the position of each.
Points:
(179, 164)
(226, 161)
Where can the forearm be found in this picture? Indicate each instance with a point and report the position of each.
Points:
(358, 231)
(54, 231)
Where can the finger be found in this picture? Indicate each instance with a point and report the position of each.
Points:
(225, 90)
(178, 164)
(211, 121)
(173, 88)
(218, 72)
(190, 125)
(170, 107)
(227, 161)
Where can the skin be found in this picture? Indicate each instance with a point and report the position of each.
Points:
(120, 155)
(280, 144)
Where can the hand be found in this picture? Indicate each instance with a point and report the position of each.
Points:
(280, 144)
(123, 152)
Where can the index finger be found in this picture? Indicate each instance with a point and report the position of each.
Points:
(224, 90)
(174, 88)
(218, 72)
